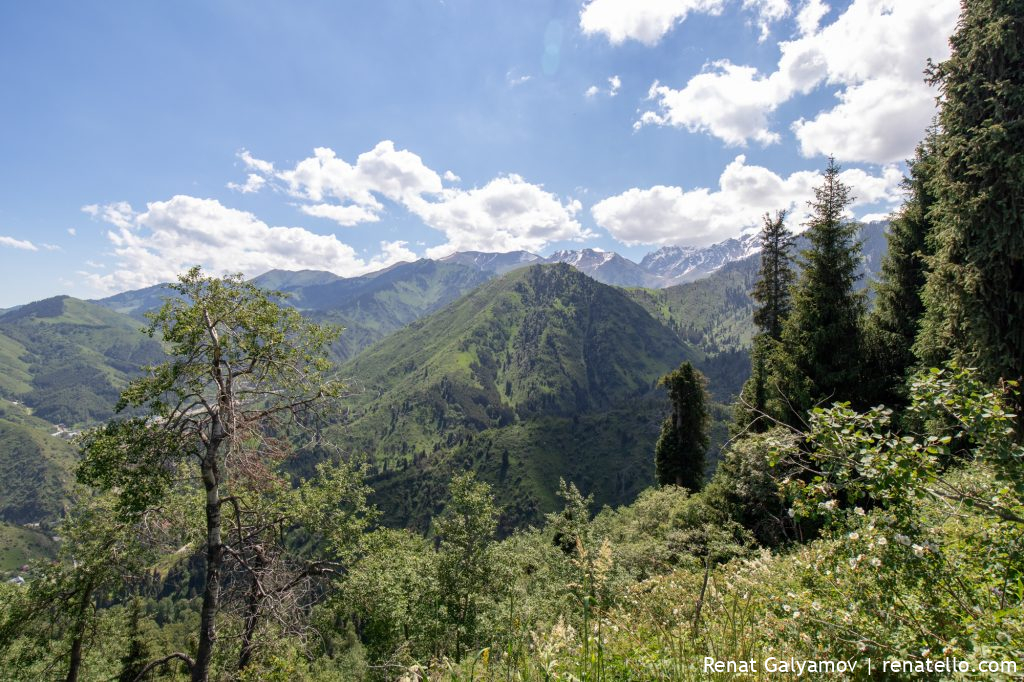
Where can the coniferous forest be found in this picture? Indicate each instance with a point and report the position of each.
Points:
(535, 476)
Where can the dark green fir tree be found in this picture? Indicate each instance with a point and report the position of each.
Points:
(679, 455)
(893, 325)
(772, 290)
(772, 294)
(821, 338)
(975, 290)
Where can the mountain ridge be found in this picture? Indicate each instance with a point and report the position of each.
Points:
(519, 363)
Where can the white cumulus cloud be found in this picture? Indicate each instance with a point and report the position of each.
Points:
(171, 236)
(258, 165)
(768, 12)
(506, 214)
(879, 120)
(646, 21)
(253, 183)
(118, 214)
(665, 215)
(874, 53)
(614, 84)
(728, 101)
(810, 16)
(347, 216)
(348, 193)
(22, 244)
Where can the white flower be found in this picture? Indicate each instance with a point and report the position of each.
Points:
(791, 512)
(903, 540)
(858, 511)
(854, 536)
(918, 550)
(881, 540)
(876, 562)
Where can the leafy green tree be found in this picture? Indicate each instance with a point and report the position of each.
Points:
(242, 368)
(466, 529)
(392, 593)
(821, 337)
(746, 487)
(893, 325)
(863, 456)
(975, 291)
(680, 452)
(330, 512)
(101, 551)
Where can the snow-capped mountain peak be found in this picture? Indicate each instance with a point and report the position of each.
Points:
(678, 264)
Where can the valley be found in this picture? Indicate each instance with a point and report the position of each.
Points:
(520, 368)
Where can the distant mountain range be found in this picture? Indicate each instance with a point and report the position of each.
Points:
(373, 306)
(665, 267)
(475, 361)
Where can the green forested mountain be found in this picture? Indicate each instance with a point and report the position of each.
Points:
(375, 305)
(68, 359)
(713, 314)
(36, 470)
(716, 313)
(35, 467)
(368, 307)
(503, 380)
(541, 373)
(62, 361)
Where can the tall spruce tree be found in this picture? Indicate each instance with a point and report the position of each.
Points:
(975, 291)
(772, 292)
(821, 338)
(680, 452)
(893, 325)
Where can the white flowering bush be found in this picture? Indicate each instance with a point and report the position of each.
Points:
(923, 553)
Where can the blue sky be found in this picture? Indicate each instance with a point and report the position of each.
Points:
(140, 138)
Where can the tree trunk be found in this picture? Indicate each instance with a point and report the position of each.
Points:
(76, 654)
(253, 601)
(214, 563)
(75, 662)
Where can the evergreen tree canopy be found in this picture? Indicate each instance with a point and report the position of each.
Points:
(894, 323)
(975, 293)
(680, 453)
(772, 291)
(822, 336)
